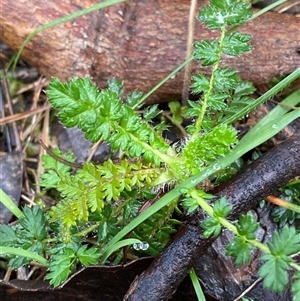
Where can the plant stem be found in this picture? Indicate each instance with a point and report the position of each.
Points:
(236, 153)
(87, 230)
(163, 157)
(208, 209)
(207, 95)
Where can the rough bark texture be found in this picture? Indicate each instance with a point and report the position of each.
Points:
(260, 179)
(138, 41)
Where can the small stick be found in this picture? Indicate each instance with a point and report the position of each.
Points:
(189, 49)
(52, 154)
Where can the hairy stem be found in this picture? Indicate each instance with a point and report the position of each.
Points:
(227, 224)
(207, 95)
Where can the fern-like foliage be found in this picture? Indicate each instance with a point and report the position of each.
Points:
(222, 94)
(207, 147)
(92, 187)
(238, 99)
(104, 115)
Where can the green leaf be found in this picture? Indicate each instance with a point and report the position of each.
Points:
(239, 249)
(283, 216)
(49, 179)
(156, 230)
(88, 256)
(120, 140)
(19, 260)
(211, 226)
(107, 229)
(287, 242)
(54, 169)
(195, 108)
(107, 226)
(236, 44)
(75, 99)
(225, 79)
(63, 212)
(34, 222)
(216, 101)
(247, 226)
(238, 99)
(131, 210)
(133, 99)
(7, 236)
(59, 267)
(103, 115)
(200, 83)
(224, 13)
(151, 112)
(222, 208)
(206, 148)
(207, 52)
(274, 272)
(71, 186)
(115, 86)
(296, 286)
(190, 204)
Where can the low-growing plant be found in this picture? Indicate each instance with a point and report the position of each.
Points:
(136, 195)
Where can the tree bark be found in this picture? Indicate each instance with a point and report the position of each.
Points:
(260, 179)
(139, 42)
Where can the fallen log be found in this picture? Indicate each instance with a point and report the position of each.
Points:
(260, 179)
(139, 42)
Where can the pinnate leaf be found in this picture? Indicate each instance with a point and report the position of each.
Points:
(207, 52)
(225, 79)
(104, 115)
(115, 86)
(54, 169)
(236, 44)
(222, 13)
(200, 83)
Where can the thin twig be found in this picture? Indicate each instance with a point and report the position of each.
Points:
(23, 115)
(189, 49)
(52, 154)
(10, 109)
(248, 289)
